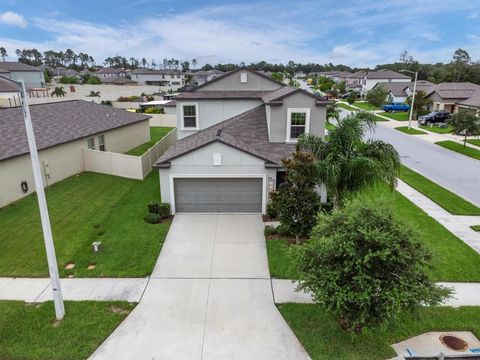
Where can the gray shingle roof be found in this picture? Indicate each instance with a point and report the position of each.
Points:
(117, 80)
(17, 66)
(59, 122)
(473, 100)
(155, 72)
(459, 90)
(386, 74)
(247, 132)
(109, 71)
(7, 86)
(398, 88)
(278, 94)
(222, 94)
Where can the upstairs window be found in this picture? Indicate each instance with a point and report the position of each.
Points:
(298, 123)
(243, 77)
(101, 142)
(190, 116)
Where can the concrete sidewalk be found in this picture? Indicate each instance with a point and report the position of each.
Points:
(464, 294)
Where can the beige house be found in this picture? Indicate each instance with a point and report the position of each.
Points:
(62, 131)
(448, 96)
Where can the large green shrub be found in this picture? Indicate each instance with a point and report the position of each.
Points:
(365, 266)
(68, 80)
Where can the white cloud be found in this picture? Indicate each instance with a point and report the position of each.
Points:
(14, 19)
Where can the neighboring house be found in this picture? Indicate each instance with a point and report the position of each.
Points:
(341, 76)
(118, 80)
(170, 79)
(33, 77)
(234, 132)
(447, 96)
(9, 94)
(472, 102)
(354, 80)
(62, 130)
(372, 78)
(200, 77)
(398, 92)
(103, 73)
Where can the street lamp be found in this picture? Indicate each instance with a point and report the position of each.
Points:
(42, 204)
(413, 96)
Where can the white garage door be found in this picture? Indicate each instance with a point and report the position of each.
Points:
(217, 195)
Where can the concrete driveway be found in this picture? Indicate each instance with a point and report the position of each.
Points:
(209, 297)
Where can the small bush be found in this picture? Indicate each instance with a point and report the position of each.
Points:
(152, 218)
(269, 230)
(153, 207)
(164, 210)
(283, 230)
(68, 80)
(271, 210)
(152, 110)
(93, 80)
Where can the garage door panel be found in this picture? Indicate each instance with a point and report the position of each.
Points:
(218, 195)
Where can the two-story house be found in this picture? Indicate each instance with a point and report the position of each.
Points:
(372, 78)
(33, 77)
(233, 133)
(171, 79)
(105, 72)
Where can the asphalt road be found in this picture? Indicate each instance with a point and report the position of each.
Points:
(453, 171)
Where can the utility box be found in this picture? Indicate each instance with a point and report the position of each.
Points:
(97, 246)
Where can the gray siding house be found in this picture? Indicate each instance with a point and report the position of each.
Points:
(233, 133)
(33, 77)
(448, 96)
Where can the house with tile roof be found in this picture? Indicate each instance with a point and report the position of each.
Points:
(448, 96)
(62, 131)
(233, 133)
(34, 78)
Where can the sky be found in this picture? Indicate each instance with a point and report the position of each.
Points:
(357, 33)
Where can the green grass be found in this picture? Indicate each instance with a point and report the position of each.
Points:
(85, 208)
(452, 260)
(156, 133)
(329, 126)
(475, 227)
(29, 332)
(410, 131)
(378, 118)
(346, 107)
(365, 106)
(323, 338)
(468, 151)
(438, 130)
(399, 116)
(474, 142)
(451, 202)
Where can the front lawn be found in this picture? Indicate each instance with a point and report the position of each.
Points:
(365, 106)
(346, 107)
(29, 331)
(438, 130)
(410, 131)
(156, 133)
(451, 202)
(454, 146)
(378, 118)
(399, 116)
(85, 208)
(323, 338)
(452, 260)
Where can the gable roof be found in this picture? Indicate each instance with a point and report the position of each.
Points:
(398, 88)
(59, 122)
(246, 132)
(386, 74)
(110, 71)
(224, 75)
(7, 86)
(17, 66)
(473, 100)
(222, 94)
(458, 90)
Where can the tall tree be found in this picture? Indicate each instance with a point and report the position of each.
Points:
(421, 103)
(377, 96)
(346, 162)
(144, 62)
(3, 53)
(194, 63)
(461, 58)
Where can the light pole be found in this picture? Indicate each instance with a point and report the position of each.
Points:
(42, 205)
(413, 96)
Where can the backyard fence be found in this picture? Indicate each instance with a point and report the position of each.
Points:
(169, 120)
(128, 166)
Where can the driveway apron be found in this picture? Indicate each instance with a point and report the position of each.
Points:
(209, 297)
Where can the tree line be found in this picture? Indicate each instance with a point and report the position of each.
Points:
(461, 67)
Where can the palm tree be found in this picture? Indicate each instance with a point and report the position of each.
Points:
(346, 162)
(59, 92)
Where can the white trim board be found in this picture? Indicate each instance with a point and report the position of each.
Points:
(197, 116)
(172, 177)
(289, 121)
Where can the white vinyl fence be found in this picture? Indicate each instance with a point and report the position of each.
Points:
(133, 167)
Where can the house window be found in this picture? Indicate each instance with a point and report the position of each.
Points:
(190, 116)
(243, 77)
(91, 143)
(101, 142)
(298, 122)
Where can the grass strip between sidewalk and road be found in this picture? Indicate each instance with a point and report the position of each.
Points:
(324, 339)
(411, 131)
(399, 116)
(448, 200)
(474, 142)
(457, 147)
(438, 130)
(475, 227)
(30, 331)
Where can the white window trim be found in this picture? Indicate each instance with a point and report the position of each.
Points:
(210, 176)
(243, 77)
(289, 121)
(197, 119)
(94, 143)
